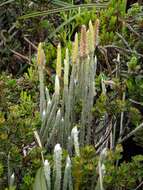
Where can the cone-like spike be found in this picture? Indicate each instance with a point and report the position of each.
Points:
(59, 58)
(37, 139)
(91, 37)
(88, 42)
(74, 134)
(66, 68)
(96, 32)
(83, 42)
(40, 55)
(75, 49)
(118, 57)
(12, 178)
(57, 148)
(57, 85)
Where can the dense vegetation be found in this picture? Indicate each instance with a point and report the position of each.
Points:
(71, 93)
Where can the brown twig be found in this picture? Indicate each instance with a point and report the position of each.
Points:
(124, 40)
(20, 55)
(140, 185)
(33, 45)
(105, 138)
(133, 132)
(123, 50)
(130, 28)
(136, 102)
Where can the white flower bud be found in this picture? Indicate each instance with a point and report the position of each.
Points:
(44, 113)
(103, 169)
(103, 154)
(74, 134)
(68, 163)
(57, 148)
(58, 113)
(12, 177)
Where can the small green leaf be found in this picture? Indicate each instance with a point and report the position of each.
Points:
(11, 82)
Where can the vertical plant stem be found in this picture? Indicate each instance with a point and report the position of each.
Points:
(122, 117)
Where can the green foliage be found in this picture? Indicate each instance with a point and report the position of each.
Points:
(135, 116)
(84, 169)
(117, 176)
(134, 79)
(133, 65)
(1, 169)
(109, 21)
(101, 104)
(136, 8)
(31, 75)
(18, 118)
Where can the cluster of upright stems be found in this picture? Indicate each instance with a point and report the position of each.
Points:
(60, 113)
(67, 119)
